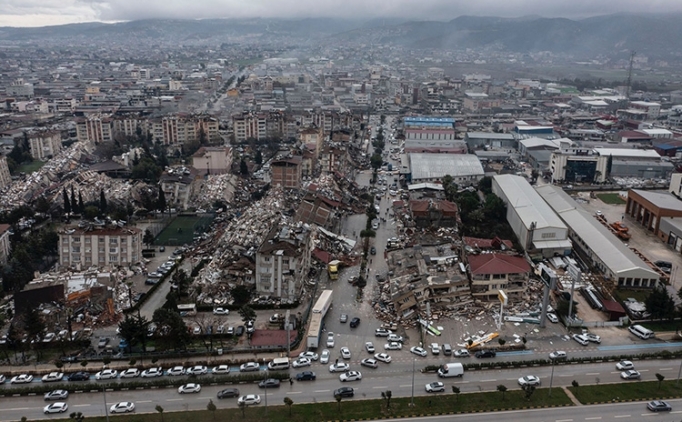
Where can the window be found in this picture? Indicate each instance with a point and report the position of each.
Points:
(87, 240)
(124, 240)
(113, 241)
(113, 250)
(113, 258)
(75, 249)
(101, 240)
(548, 235)
(101, 250)
(76, 239)
(101, 258)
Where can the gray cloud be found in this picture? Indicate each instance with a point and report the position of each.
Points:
(45, 12)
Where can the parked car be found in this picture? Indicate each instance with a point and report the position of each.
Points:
(220, 369)
(559, 354)
(56, 395)
(324, 357)
(269, 383)
(552, 318)
(221, 311)
(462, 353)
(106, 374)
(53, 377)
(301, 362)
(330, 339)
(176, 371)
(58, 407)
(103, 341)
(418, 351)
(435, 387)
(151, 372)
(393, 346)
(197, 370)
(581, 339)
(435, 348)
(485, 354)
(249, 367)
(350, 376)
(344, 392)
(228, 393)
(239, 331)
(354, 322)
(630, 375)
(382, 332)
(395, 337)
(343, 318)
(529, 380)
(593, 338)
(383, 357)
(21, 379)
(189, 388)
(79, 376)
(130, 373)
(369, 346)
(310, 355)
(306, 376)
(339, 367)
(345, 353)
(369, 362)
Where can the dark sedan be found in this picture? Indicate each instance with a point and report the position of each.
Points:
(485, 354)
(228, 393)
(79, 376)
(306, 376)
(269, 383)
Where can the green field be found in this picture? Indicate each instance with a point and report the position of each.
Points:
(611, 198)
(627, 391)
(29, 168)
(182, 230)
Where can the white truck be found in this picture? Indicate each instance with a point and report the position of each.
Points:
(319, 311)
(450, 370)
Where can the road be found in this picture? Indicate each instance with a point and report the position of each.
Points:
(396, 377)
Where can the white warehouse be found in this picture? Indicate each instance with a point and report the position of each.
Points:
(536, 225)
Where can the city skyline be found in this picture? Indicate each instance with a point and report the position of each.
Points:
(35, 13)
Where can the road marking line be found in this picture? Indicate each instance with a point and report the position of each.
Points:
(174, 399)
(487, 380)
(405, 385)
(144, 401)
(84, 405)
(593, 419)
(564, 420)
(621, 416)
(592, 373)
(383, 386)
(15, 408)
(295, 392)
(321, 391)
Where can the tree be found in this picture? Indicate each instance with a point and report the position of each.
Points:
(659, 304)
(242, 406)
(67, 204)
(528, 390)
(77, 416)
(456, 391)
(34, 324)
(660, 379)
(485, 185)
(338, 399)
(84, 363)
(241, 294)
(494, 208)
(133, 329)
(501, 341)
(376, 161)
(81, 208)
(609, 166)
(247, 313)
(289, 403)
(148, 238)
(211, 407)
(161, 200)
(102, 202)
(160, 410)
(502, 389)
(169, 321)
(243, 168)
(74, 204)
(575, 384)
(106, 360)
(387, 396)
(259, 157)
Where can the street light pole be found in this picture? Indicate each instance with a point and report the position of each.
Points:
(266, 392)
(678, 374)
(551, 378)
(412, 399)
(106, 409)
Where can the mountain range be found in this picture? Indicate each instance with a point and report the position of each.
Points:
(656, 36)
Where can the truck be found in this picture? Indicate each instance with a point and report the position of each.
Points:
(450, 370)
(333, 269)
(319, 311)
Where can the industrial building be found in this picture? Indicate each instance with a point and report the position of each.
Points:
(475, 140)
(584, 166)
(640, 163)
(536, 225)
(649, 207)
(596, 245)
(465, 169)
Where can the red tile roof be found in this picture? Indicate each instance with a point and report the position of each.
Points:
(476, 242)
(493, 263)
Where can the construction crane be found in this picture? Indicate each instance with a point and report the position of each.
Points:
(628, 84)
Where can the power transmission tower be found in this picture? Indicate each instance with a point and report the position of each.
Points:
(628, 85)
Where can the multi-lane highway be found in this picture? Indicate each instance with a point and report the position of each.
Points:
(396, 376)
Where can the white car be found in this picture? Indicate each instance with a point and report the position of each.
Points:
(382, 332)
(383, 357)
(330, 339)
(462, 353)
(369, 346)
(324, 357)
(21, 379)
(130, 373)
(189, 388)
(106, 374)
(345, 353)
(301, 362)
(435, 387)
(122, 407)
(529, 380)
(249, 367)
(176, 371)
(152, 372)
(249, 399)
(593, 338)
(418, 351)
(221, 311)
(350, 376)
(197, 370)
(339, 367)
(58, 407)
(552, 318)
(559, 354)
(394, 345)
(395, 337)
(625, 365)
(370, 363)
(53, 376)
(310, 355)
(56, 395)
(580, 339)
(2, 379)
(49, 337)
(435, 348)
(220, 369)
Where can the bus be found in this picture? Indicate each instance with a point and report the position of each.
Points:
(187, 309)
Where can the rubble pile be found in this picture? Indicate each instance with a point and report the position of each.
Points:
(90, 183)
(216, 187)
(47, 178)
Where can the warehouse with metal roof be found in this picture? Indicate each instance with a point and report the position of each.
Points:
(465, 169)
(595, 244)
(536, 225)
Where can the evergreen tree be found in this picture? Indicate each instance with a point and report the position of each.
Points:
(81, 208)
(67, 204)
(161, 201)
(243, 168)
(74, 205)
(259, 158)
(102, 202)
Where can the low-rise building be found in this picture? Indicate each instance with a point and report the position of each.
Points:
(178, 185)
(212, 160)
(492, 272)
(286, 172)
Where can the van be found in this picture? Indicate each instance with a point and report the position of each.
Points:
(450, 370)
(447, 349)
(641, 332)
(278, 363)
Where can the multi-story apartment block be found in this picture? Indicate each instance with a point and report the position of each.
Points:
(99, 246)
(19, 88)
(212, 160)
(283, 261)
(5, 245)
(287, 172)
(45, 145)
(179, 129)
(94, 129)
(61, 105)
(5, 177)
(178, 185)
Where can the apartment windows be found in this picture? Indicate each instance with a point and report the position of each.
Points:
(75, 249)
(113, 241)
(113, 250)
(113, 258)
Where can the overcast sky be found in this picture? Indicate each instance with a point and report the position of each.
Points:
(56, 12)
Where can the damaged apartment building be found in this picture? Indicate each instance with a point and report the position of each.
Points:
(283, 261)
